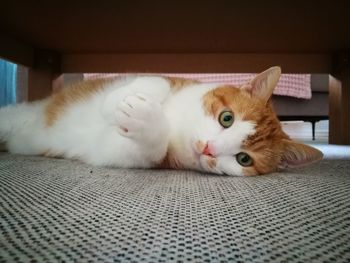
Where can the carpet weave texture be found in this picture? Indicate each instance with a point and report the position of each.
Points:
(54, 210)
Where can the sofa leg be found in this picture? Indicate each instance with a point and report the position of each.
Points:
(313, 123)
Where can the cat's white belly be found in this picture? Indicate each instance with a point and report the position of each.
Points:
(90, 130)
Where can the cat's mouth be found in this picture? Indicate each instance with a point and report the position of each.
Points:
(206, 160)
(205, 149)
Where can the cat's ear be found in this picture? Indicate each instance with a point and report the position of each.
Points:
(264, 83)
(298, 154)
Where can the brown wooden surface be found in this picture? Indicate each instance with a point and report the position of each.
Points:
(335, 111)
(341, 118)
(345, 78)
(180, 26)
(16, 51)
(195, 63)
(39, 83)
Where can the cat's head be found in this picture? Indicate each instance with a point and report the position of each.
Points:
(240, 133)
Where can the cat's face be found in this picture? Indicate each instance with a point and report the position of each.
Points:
(239, 133)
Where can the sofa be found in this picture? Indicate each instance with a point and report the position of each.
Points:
(310, 110)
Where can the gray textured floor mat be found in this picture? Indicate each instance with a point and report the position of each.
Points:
(54, 210)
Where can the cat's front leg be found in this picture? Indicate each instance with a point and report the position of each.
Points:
(141, 119)
(156, 88)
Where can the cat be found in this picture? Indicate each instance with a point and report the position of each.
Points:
(159, 122)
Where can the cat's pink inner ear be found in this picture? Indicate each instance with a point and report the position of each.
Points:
(264, 83)
(297, 154)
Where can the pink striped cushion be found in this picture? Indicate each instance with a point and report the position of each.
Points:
(293, 85)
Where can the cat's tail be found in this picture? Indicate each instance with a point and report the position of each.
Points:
(19, 125)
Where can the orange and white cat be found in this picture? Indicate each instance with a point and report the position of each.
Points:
(148, 121)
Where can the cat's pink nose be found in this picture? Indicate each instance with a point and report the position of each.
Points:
(207, 151)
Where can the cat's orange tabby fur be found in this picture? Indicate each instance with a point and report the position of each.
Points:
(147, 121)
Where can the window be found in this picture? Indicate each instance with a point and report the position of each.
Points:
(8, 79)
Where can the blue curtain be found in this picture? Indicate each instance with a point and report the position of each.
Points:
(8, 76)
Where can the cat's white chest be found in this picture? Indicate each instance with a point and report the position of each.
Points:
(186, 116)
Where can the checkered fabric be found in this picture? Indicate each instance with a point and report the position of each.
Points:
(293, 85)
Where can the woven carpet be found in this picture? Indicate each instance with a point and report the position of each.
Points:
(54, 210)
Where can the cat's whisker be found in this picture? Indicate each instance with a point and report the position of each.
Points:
(127, 114)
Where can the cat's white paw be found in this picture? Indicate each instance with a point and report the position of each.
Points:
(140, 117)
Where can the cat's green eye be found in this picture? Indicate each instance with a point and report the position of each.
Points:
(226, 119)
(244, 159)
